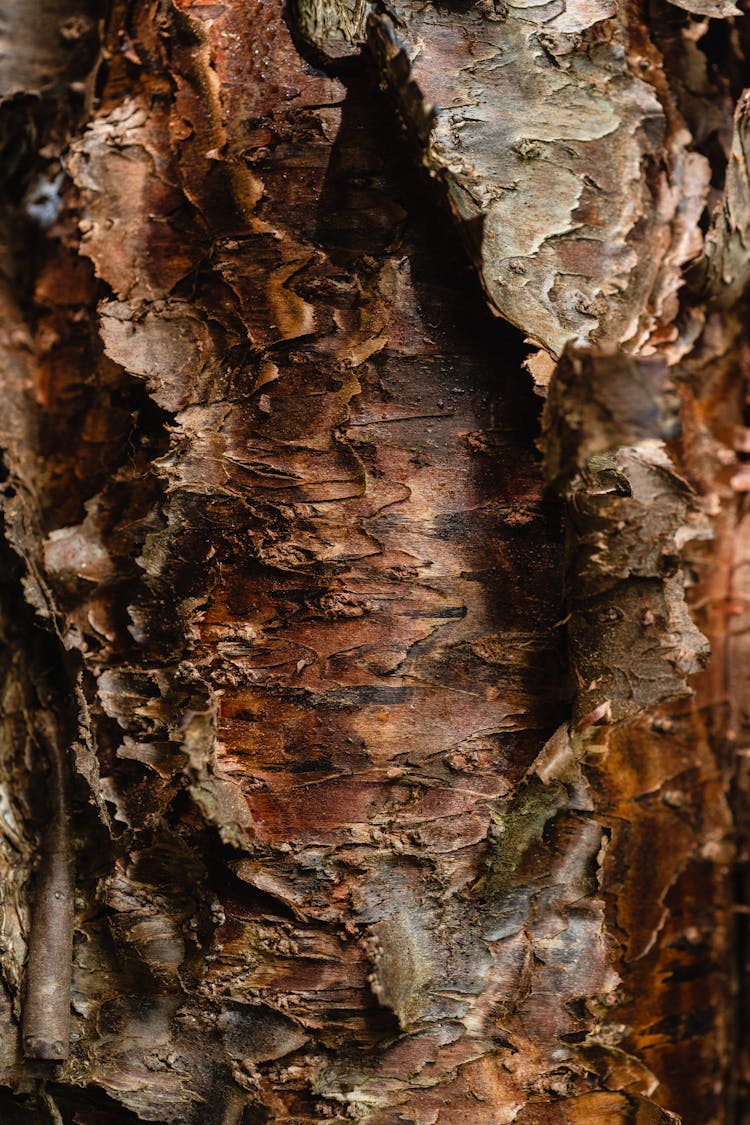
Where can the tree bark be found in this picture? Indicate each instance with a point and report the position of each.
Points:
(375, 554)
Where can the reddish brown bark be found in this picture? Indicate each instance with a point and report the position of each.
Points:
(399, 794)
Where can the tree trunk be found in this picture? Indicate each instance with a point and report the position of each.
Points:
(375, 563)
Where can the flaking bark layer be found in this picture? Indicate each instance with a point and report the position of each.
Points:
(350, 842)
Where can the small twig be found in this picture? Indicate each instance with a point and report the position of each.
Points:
(46, 1014)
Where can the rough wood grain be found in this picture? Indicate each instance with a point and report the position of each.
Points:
(353, 843)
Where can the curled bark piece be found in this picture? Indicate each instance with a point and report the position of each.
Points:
(46, 1014)
(633, 642)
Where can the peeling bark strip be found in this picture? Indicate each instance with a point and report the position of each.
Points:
(343, 852)
(632, 640)
(724, 270)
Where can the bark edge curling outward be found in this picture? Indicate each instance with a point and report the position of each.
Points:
(539, 128)
(632, 639)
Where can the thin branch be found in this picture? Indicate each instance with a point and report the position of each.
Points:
(46, 1015)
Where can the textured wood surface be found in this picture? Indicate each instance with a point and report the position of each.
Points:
(404, 789)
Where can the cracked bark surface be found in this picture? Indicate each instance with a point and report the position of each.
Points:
(403, 788)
